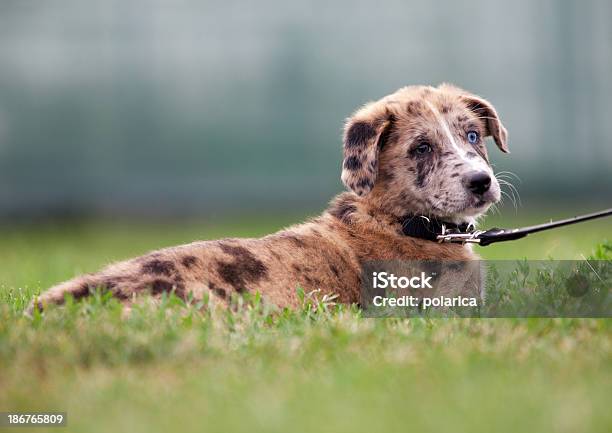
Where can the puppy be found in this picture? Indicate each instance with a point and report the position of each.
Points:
(416, 153)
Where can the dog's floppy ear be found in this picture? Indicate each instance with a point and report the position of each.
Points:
(485, 111)
(363, 137)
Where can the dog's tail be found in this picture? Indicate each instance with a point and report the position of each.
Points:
(78, 288)
(158, 272)
(155, 273)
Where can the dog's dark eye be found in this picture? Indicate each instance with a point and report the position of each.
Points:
(422, 148)
(472, 137)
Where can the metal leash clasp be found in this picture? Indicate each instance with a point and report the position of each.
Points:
(459, 238)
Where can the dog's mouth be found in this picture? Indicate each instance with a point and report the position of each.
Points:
(478, 204)
(474, 206)
(469, 209)
(474, 209)
(467, 205)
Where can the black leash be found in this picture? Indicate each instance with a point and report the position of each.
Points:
(488, 237)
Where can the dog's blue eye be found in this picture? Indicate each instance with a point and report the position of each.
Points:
(472, 137)
(423, 148)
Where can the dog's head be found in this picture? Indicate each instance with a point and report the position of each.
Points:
(421, 150)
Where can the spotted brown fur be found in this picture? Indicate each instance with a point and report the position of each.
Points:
(159, 267)
(189, 261)
(243, 270)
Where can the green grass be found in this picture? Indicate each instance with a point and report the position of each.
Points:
(176, 367)
(572, 242)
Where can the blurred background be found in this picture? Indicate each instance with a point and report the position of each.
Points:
(212, 109)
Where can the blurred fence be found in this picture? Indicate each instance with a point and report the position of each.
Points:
(191, 107)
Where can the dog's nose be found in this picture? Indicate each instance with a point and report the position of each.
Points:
(477, 181)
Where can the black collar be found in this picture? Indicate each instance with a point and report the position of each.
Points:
(418, 226)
